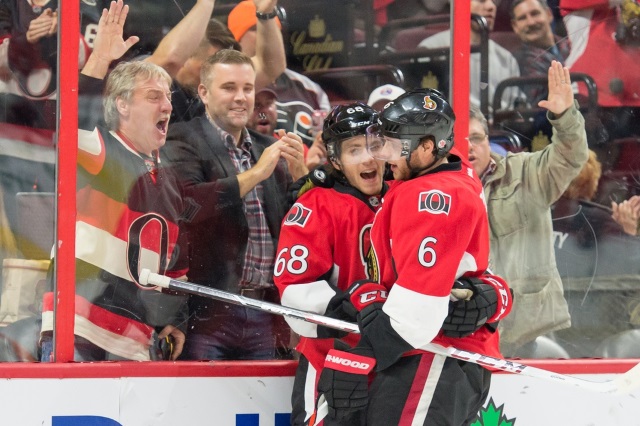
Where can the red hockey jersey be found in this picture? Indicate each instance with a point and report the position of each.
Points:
(323, 245)
(429, 231)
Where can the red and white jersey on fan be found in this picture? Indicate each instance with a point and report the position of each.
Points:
(429, 231)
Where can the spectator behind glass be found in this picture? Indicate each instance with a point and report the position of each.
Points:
(531, 20)
(124, 197)
(29, 98)
(576, 221)
(28, 55)
(502, 63)
(186, 102)
(605, 46)
(268, 59)
(265, 115)
(236, 182)
(627, 214)
(588, 243)
(298, 96)
(519, 190)
(173, 50)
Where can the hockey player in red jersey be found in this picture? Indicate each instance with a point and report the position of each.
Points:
(430, 232)
(324, 244)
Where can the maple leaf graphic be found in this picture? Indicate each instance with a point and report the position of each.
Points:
(493, 416)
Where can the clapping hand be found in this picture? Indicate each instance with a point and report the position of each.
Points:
(627, 214)
(44, 25)
(293, 153)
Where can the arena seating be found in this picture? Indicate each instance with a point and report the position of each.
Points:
(355, 83)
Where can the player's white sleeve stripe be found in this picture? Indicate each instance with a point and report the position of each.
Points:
(310, 392)
(467, 264)
(312, 297)
(433, 377)
(97, 247)
(416, 317)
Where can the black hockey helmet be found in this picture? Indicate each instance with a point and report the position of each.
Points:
(344, 122)
(412, 116)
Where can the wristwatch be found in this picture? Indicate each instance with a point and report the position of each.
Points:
(266, 16)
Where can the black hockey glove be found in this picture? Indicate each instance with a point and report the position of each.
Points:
(375, 326)
(344, 380)
(476, 302)
(317, 177)
(339, 307)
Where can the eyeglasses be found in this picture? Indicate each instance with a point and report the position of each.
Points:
(476, 139)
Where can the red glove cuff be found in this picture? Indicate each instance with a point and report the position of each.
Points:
(349, 362)
(505, 300)
(364, 293)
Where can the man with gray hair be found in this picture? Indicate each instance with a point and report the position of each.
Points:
(128, 213)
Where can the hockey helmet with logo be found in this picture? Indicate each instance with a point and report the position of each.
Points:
(409, 119)
(344, 122)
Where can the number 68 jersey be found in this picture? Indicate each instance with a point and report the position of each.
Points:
(323, 247)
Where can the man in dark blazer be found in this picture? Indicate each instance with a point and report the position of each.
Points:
(235, 181)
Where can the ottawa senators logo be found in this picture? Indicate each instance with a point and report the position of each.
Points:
(367, 254)
(434, 201)
(147, 230)
(298, 215)
(429, 103)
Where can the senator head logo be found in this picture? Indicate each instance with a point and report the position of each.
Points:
(435, 202)
(429, 103)
(298, 215)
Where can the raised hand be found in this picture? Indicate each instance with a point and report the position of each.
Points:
(109, 44)
(560, 96)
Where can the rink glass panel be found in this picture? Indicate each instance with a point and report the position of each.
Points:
(599, 264)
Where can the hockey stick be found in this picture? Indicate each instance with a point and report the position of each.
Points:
(622, 384)
(149, 278)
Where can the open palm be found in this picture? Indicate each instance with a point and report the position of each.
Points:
(109, 44)
(560, 91)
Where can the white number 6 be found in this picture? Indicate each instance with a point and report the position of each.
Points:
(426, 254)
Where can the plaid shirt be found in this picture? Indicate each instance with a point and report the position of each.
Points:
(257, 268)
